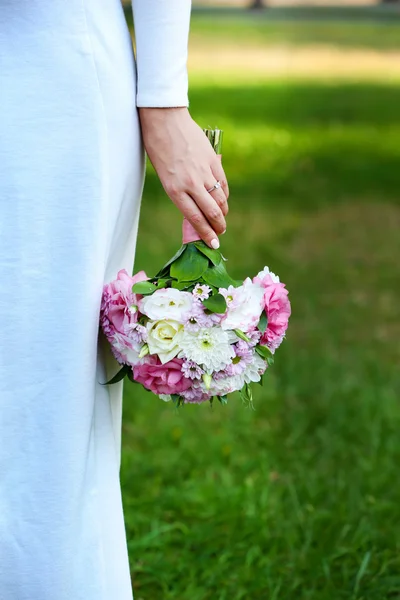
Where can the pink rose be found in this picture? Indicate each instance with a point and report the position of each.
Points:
(162, 379)
(266, 277)
(116, 315)
(117, 300)
(277, 307)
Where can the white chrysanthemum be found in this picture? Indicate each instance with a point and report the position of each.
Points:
(265, 272)
(208, 347)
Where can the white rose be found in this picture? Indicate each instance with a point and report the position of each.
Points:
(245, 307)
(163, 338)
(167, 303)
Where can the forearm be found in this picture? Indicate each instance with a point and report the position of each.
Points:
(161, 37)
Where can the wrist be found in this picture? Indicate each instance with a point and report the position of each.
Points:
(149, 113)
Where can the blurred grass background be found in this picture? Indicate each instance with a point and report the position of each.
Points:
(298, 499)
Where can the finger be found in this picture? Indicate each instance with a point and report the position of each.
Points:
(218, 195)
(193, 214)
(209, 208)
(219, 174)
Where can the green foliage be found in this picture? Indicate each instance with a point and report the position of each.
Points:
(118, 376)
(217, 276)
(144, 287)
(241, 335)
(246, 394)
(263, 323)
(265, 353)
(165, 270)
(215, 303)
(190, 265)
(215, 256)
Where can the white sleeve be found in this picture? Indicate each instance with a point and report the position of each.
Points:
(161, 38)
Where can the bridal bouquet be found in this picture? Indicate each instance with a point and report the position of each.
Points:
(192, 333)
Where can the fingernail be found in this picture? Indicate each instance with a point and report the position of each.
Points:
(224, 231)
(215, 244)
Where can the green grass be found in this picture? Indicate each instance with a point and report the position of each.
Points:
(298, 499)
(274, 27)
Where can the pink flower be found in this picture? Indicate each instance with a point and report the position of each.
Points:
(196, 395)
(116, 314)
(162, 379)
(266, 277)
(277, 307)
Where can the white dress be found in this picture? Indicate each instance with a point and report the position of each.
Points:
(71, 175)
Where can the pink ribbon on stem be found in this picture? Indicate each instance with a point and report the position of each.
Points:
(189, 234)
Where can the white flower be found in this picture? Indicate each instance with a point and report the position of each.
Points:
(265, 272)
(208, 347)
(221, 387)
(201, 292)
(255, 369)
(128, 349)
(167, 303)
(245, 305)
(163, 338)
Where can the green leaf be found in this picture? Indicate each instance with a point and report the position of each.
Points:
(241, 335)
(263, 322)
(161, 283)
(261, 382)
(181, 285)
(246, 394)
(143, 320)
(119, 376)
(223, 399)
(190, 266)
(264, 352)
(177, 399)
(214, 255)
(215, 304)
(165, 271)
(218, 277)
(144, 288)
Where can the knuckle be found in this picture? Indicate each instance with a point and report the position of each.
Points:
(172, 189)
(221, 199)
(214, 213)
(224, 208)
(195, 218)
(190, 181)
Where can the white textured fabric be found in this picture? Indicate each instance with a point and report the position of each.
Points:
(71, 176)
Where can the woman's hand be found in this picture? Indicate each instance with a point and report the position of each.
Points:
(187, 166)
